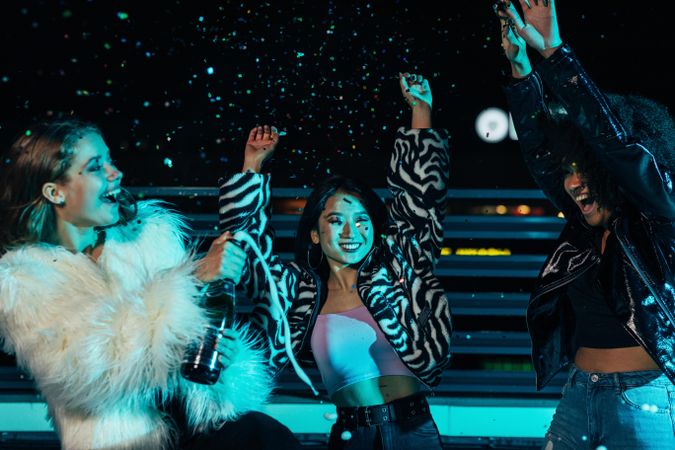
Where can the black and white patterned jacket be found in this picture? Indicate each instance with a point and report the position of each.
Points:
(395, 281)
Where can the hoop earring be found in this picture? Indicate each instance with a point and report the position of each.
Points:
(309, 250)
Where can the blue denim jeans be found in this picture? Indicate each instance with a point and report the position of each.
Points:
(420, 433)
(614, 411)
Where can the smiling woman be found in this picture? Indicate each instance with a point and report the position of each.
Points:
(67, 186)
(101, 296)
(364, 272)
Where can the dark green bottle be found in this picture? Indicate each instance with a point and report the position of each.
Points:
(200, 363)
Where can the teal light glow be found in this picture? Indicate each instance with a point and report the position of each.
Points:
(522, 419)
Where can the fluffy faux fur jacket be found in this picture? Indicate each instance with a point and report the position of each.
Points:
(104, 340)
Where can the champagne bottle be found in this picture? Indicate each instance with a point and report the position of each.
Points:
(200, 363)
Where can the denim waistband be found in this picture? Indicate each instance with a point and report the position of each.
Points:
(636, 378)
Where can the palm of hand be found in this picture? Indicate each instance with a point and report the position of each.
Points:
(541, 30)
(259, 148)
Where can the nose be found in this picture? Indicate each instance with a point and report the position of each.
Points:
(347, 230)
(573, 181)
(114, 174)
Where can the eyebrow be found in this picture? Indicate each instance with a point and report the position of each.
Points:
(337, 213)
(89, 161)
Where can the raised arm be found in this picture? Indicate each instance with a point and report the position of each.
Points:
(418, 178)
(525, 96)
(243, 203)
(630, 164)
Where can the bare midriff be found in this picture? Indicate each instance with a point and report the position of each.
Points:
(607, 360)
(377, 391)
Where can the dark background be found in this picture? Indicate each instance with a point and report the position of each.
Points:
(324, 72)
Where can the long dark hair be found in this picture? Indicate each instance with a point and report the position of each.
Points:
(645, 121)
(309, 254)
(41, 154)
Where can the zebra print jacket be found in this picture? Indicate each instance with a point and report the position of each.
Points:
(395, 281)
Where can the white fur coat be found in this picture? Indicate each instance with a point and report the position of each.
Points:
(103, 340)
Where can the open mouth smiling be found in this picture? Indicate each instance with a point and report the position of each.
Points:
(111, 196)
(350, 246)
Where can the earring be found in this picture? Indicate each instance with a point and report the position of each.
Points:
(309, 250)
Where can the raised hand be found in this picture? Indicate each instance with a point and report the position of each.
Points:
(415, 89)
(540, 29)
(417, 93)
(515, 47)
(262, 141)
(224, 260)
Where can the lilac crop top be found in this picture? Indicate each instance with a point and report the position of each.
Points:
(350, 347)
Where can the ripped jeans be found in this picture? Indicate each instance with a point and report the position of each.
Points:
(614, 411)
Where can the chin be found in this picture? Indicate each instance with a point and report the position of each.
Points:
(110, 219)
(593, 221)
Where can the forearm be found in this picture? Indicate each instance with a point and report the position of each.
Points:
(421, 115)
(520, 69)
(242, 201)
(530, 118)
(585, 104)
(418, 180)
(251, 166)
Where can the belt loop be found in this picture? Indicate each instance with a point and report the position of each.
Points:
(572, 375)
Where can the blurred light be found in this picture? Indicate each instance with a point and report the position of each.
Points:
(523, 210)
(446, 251)
(512, 129)
(561, 215)
(501, 209)
(483, 252)
(492, 125)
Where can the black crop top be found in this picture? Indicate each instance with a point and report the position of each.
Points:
(596, 325)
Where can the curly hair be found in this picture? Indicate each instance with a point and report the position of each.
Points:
(646, 122)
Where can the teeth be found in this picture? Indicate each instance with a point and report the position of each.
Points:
(113, 194)
(350, 246)
(581, 197)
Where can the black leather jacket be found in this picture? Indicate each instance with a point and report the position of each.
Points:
(639, 281)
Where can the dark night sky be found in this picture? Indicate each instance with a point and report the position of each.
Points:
(324, 72)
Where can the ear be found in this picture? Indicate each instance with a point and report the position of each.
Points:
(52, 192)
(314, 235)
